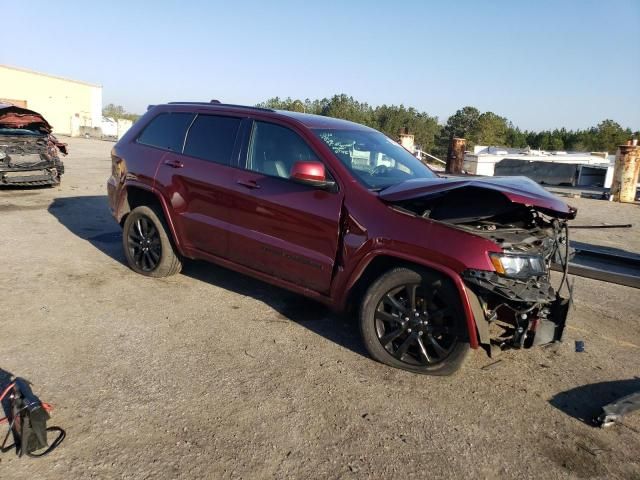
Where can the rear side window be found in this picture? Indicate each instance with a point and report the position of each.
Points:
(167, 131)
(212, 138)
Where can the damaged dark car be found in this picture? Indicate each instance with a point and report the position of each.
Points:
(432, 266)
(29, 153)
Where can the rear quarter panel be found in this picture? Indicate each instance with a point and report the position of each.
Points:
(133, 164)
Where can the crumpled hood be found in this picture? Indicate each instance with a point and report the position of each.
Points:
(18, 117)
(520, 190)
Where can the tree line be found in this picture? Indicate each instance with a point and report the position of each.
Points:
(478, 128)
(118, 111)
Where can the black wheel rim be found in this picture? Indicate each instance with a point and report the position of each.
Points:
(144, 244)
(415, 324)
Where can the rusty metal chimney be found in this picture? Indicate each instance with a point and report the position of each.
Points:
(407, 139)
(455, 155)
(625, 173)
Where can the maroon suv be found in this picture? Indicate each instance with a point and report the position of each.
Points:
(341, 213)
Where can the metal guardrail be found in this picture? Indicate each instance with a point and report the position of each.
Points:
(605, 264)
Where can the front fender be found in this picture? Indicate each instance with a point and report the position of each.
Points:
(463, 292)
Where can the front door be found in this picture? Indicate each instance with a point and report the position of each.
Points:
(280, 227)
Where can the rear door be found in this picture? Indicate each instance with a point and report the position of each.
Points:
(163, 134)
(280, 227)
(196, 181)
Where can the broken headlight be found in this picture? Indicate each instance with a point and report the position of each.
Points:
(518, 266)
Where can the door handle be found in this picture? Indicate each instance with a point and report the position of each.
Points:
(173, 163)
(248, 183)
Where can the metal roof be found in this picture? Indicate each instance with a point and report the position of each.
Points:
(320, 121)
(307, 119)
(33, 72)
(218, 104)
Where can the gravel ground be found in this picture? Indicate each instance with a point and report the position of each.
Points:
(602, 212)
(211, 374)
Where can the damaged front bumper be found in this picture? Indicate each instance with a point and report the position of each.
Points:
(49, 175)
(515, 313)
(29, 159)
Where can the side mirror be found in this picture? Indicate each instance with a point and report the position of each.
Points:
(311, 173)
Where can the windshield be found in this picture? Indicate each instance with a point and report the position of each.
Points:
(373, 158)
(18, 131)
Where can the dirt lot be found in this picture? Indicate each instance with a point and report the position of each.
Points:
(210, 374)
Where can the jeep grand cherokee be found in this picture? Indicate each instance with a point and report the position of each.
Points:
(341, 213)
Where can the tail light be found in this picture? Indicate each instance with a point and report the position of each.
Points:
(117, 165)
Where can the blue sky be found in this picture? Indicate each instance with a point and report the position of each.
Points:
(542, 64)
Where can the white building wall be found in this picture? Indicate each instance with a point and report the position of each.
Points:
(58, 99)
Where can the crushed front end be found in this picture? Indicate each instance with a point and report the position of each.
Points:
(514, 303)
(522, 305)
(29, 153)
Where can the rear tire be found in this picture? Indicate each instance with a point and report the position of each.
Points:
(412, 319)
(147, 245)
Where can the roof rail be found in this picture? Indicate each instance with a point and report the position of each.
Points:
(216, 103)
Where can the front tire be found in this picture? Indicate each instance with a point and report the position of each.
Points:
(413, 320)
(147, 245)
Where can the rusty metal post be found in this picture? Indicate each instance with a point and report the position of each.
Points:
(625, 173)
(455, 155)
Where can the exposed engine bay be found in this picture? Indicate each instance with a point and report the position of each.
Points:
(29, 153)
(518, 300)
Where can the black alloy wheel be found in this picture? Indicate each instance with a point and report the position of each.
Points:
(412, 319)
(147, 245)
(144, 244)
(414, 324)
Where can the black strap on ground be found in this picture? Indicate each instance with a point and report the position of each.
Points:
(54, 444)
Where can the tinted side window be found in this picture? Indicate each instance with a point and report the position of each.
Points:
(212, 138)
(274, 150)
(167, 131)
